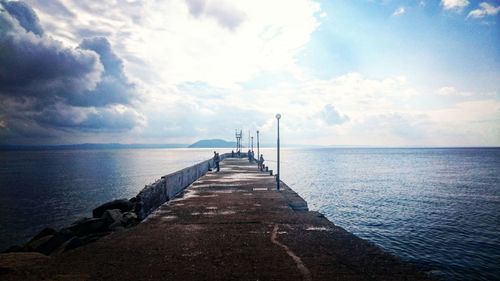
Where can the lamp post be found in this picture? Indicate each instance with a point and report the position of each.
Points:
(278, 116)
(252, 143)
(258, 151)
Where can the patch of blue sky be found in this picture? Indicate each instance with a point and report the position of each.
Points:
(430, 46)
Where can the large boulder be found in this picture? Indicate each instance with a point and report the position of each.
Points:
(88, 226)
(113, 216)
(130, 219)
(68, 245)
(123, 205)
(45, 232)
(37, 242)
(138, 209)
(14, 249)
(47, 244)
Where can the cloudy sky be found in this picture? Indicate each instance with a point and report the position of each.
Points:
(344, 72)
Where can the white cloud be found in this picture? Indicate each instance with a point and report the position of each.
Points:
(451, 91)
(446, 91)
(484, 10)
(224, 13)
(399, 11)
(219, 42)
(457, 5)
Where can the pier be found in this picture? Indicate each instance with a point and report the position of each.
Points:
(227, 225)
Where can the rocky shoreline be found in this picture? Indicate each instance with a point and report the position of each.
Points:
(109, 217)
(115, 215)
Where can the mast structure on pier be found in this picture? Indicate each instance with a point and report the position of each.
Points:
(238, 139)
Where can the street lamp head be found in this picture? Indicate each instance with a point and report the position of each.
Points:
(257, 131)
(278, 116)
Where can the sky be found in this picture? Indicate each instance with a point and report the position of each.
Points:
(344, 72)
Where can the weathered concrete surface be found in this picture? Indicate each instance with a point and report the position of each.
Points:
(155, 194)
(230, 225)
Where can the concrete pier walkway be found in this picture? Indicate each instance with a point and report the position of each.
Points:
(231, 225)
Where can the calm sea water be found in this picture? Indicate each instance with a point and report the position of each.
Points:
(437, 208)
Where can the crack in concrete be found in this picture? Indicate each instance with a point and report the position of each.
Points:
(306, 274)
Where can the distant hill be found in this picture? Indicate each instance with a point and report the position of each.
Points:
(212, 144)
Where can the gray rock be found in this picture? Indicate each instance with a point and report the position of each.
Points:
(45, 232)
(32, 245)
(89, 226)
(47, 244)
(68, 245)
(123, 205)
(116, 227)
(112, 216)
(130, 218)
(138, 207)
(15, 249)
(80, 220)
(67, 231)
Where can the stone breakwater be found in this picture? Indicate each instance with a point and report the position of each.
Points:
(166, 188)
(115, 215)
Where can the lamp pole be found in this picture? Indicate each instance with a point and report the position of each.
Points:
(278, 116)
(252, 143)
(258, 151)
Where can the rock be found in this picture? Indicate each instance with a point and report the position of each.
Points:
(80, 220)
(45, 232)
(89, 226)
(138, 207)
(34, 244)
(130, 218)
(112, 216)
(123, 205)
(116, 227)
(15, 249)
(67, 231)
(47, 244)
(68, 245)
(72, 243)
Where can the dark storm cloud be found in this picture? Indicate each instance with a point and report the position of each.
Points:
(46, 86)
(53, 7)
(38, 66)
(114, 86)
(89, 119)
(24, 15)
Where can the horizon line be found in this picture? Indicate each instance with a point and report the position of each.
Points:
(185, 145)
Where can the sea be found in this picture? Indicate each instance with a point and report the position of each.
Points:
(438, 208)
